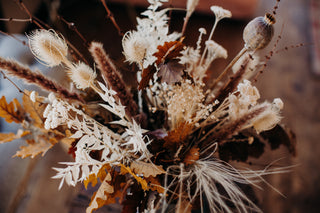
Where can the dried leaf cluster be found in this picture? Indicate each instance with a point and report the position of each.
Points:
(165, 143)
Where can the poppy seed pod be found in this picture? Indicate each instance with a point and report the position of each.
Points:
(259, 32)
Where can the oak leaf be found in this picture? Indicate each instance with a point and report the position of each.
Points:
(34, 109)
(155, 184)
(11, 112)
(93, 178)
(34, 148)
(7, 137)
(147, 169)
(100, 196)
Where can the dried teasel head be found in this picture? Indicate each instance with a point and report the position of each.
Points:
(49, 47)
(82, 75)
(259, 32)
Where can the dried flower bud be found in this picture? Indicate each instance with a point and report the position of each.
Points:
(48, 46)
(259, 32)
(277, 102)
(267, 119)
(220, 13)
(134, 47)
(82, 75)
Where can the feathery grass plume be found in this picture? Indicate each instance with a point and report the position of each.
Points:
(18, 70)
(82, 75)
(49, 47)
(112, 76)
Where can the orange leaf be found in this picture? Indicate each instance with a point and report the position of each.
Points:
(93, 178)
(168, 51)
(34, 148)
(142, 182)
(155, 185)
(12, 111)
(192, 156)
(7, 137)
(34, 109)
(99, 197)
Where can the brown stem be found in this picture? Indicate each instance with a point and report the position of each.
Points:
(14, 68)
(113, 77)
(111, 17)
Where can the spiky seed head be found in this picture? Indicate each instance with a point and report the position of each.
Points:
(82, 75)
(49, 47)
(134, 47)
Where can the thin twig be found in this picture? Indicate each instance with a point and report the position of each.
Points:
(73, 27)
(111, 17)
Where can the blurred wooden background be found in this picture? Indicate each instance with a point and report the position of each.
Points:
(288, 76)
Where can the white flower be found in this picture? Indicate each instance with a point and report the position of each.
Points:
(82, 75)
(48, 46)
(134, 46)
(220, 13)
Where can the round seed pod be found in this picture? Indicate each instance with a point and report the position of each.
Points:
(259, 32)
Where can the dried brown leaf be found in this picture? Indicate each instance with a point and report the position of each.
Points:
(168, 51)
(146, 75)
(147, 169)
(100, 196)
(7, 137)
(34, 148)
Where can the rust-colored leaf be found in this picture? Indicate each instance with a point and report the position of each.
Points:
(11, 112)
(146, 76)
(147, 169)
(168, 51)
(192, 156)
(178, 134)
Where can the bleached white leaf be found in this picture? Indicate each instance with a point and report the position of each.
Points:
(78, 134)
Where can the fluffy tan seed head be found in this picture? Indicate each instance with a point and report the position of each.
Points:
(49, 47)
(82, 75)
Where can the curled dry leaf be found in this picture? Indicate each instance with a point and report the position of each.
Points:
(147, 169)
(100, 196)
(34, 148)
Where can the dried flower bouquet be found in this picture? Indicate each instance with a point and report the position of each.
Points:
(165, 145)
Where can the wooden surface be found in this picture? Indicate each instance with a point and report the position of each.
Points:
(288, 76)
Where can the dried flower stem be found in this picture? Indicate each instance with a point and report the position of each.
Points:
(111, 17)
(224, 72)
(73, 27)
(13, 68)
(113, 77)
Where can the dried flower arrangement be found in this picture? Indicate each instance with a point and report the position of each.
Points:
(166, 144)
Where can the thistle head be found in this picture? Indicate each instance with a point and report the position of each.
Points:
(82, 75)
(49, 47)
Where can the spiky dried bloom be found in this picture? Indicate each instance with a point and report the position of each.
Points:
(82, 75)
(49, 47)
(178, 147)
(18, 70)
(134, 47)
